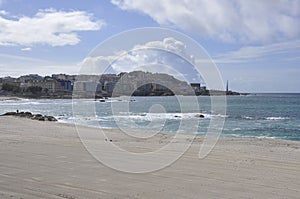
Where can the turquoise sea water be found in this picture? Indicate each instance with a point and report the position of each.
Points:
(260, 115)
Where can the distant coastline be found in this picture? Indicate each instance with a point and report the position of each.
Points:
(136, 83)
(13, 96)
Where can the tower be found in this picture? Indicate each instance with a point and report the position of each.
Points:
(227, 87)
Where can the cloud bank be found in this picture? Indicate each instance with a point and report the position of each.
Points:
(226, 20)
(166, 56)
(167, 51)
(284, 51)
(51, 27)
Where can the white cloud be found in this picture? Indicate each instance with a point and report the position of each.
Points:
(165, 56)
(3, 12)
(226, 20)
(26, 49)
(254, 53)
(167, 51)
(96, 65)
(6, 58)
(154, 52)
(51, 27)
(297, 58)
(13, 65)
(54, 68)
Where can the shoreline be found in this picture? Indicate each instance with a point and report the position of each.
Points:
(222, 136)
(47, 160)
(52, 118)
(4, 98)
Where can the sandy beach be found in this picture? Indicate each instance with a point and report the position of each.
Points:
(48, 160)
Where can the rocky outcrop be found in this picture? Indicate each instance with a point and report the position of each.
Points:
(199, 115)
(29, 115)
(9, 113)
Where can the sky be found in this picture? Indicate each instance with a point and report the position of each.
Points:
(254, 44)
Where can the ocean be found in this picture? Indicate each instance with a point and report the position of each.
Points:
(274, 116)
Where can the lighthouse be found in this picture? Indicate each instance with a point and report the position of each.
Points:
(227, 87)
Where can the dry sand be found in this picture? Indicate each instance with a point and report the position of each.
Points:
(47, 160)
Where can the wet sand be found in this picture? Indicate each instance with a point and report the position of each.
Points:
(48, 160)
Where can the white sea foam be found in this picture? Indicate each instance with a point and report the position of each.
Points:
(14, 103)
(112, 100)
(249, 136)
(277, 118)
(266, 137)
(247, 117)
(164, 116)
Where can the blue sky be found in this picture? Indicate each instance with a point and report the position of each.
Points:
(255, 44)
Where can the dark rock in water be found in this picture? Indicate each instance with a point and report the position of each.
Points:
(28, 113)
(50, 118)
(199, 115)
(9, 113)
(24, 114)
(38, 117)
(42, 119)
